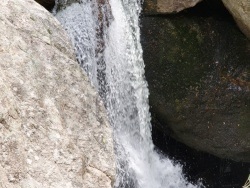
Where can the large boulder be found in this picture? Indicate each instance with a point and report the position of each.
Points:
(54, 130)
(241, 12)
(167, 6)
(197, 69)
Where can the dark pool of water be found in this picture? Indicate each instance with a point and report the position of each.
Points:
(214, 172)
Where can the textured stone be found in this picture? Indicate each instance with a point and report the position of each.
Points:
(167, 6)
(54, 130)
(241, 12)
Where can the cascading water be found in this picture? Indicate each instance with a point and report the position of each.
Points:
(108, 48)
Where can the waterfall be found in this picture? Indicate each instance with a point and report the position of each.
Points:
(106, 37)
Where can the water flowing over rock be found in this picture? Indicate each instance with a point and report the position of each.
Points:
(125, 90)
(241, 13)
(167, 6)
(62, 4)
(53, 127)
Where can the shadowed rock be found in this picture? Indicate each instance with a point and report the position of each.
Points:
(167, 6)
(197, 70)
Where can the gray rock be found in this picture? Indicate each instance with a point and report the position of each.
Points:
(54, 130)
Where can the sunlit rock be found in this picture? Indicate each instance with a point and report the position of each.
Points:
(54, 130)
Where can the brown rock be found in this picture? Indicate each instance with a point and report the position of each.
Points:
(168, 6)
(240, 10)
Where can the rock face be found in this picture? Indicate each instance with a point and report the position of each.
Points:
(48, 4)
(241, 13)
(53, 128)
(167, 6)
(197, 69)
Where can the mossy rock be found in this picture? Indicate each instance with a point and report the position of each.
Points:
(197, 69)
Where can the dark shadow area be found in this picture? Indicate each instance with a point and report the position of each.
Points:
(48, 4)
(213, 171)
(206, 8)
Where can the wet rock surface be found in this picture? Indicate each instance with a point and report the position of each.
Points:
(197, 68)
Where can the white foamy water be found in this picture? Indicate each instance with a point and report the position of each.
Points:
(116, 68)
